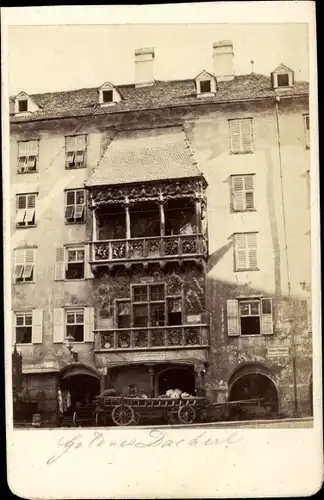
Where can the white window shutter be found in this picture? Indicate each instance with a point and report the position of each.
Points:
(37, 329)
(240, 251)
(87, 268)
(235, 135)
(246, 130)
(88, 324)
(233, 321)
(237, 189)
(13, 328)
(70, 143)
(58, 325)
(266, 317)
(59, 264)
(252, 250)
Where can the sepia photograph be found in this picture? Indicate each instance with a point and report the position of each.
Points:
(159, 227)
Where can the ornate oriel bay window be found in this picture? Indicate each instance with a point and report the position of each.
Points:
(162, 220)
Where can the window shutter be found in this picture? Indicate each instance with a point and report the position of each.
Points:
(266, 317)
(87, 268)
(32, 148)
(59, 264)
(233, 323)
(80, 143)
(237, 186)
(235, 135)
(88, 324)
(240, 251)
(21, 202)
(70, 143)
(20, 216)
(252, 250)
(23, 148)
(58, 325)
(246, 128)
(13, 328)
(37, 331)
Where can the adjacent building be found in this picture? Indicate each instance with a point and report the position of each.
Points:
(161, 237)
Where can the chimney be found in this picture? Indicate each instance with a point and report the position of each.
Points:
(144, 76)
(223, 56)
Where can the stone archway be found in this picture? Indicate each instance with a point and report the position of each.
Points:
(253, 382)
(80, 384)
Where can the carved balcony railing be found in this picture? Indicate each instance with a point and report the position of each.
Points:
(159, 247)
(161, 337)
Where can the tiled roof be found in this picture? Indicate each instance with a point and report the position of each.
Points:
(84, 102)
(145, 155)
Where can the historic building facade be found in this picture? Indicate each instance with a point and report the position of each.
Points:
(161, 237)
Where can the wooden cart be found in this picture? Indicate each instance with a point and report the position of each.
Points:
(130, 410)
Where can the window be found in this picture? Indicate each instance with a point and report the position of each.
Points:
(242, 192)
(75, 324)
(22, 105)
(24, 327)
(149, 306)
(205, 86)
(245, 251)
(241, 135)
(24, 264)
(25, 212)
(283, 80)
(75, 264)
(123, 314)
(75, 151)
(107, 96)
(75, 206)
(250, 316)
(27, 156)
(306, 127)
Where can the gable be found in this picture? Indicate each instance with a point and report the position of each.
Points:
(282, 69)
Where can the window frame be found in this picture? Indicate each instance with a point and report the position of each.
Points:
(28, 313)
(281, 75)
(23, 167)
(250, 301)
(26, 209)
(21, 279)
(67, 250)
(105, 91)
(204, 82)
(25, 100)
(244, 191)
(148, 303)
(74, 220)
(241, 150)
(75, 311)
(75, 151)
(247, 249)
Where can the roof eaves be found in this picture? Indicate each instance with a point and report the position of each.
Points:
(134, 110)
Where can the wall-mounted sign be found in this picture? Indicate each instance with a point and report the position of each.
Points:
(278, 351)
(194, 319)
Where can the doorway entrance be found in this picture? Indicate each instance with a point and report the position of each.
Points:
(178, 377)
(79, 386)
(254, 386)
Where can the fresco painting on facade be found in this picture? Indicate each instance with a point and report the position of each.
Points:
(169, 257)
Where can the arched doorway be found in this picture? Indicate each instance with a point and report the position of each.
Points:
(79, 385)
(253, 382)
(176, 377)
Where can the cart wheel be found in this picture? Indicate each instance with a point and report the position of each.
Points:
(74, 419)
(172, 417)
(137, 418)
(123, 415)
(187, 414)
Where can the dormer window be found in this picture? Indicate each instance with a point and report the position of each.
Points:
(22, 105)
(282, 77)
(108, 95)
(205, 86)
(25, 104)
